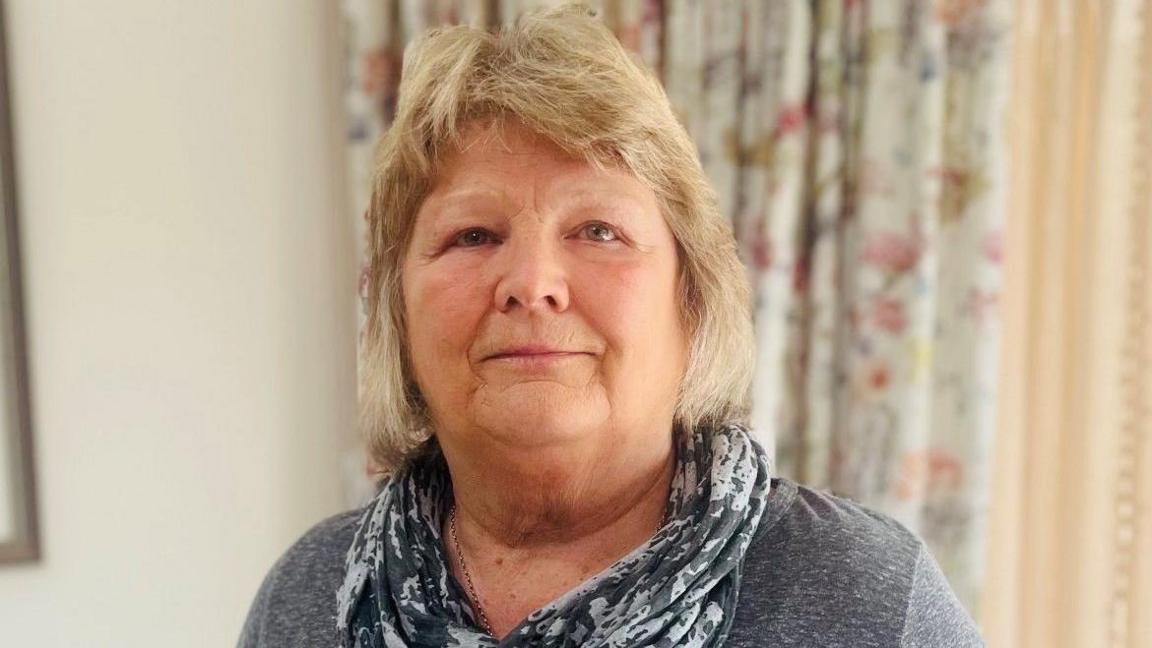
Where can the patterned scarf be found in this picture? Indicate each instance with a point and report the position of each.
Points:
(678, 589)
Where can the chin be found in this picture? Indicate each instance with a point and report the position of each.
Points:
(532, 423)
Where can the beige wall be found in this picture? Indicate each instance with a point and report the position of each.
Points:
(190, 301)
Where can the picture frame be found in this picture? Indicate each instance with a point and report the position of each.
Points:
(19, 532)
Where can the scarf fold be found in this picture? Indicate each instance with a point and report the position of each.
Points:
(678, 589)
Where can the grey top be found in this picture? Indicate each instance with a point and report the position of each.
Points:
(822, 571)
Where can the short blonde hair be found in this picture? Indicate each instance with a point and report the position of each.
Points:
(562, 74)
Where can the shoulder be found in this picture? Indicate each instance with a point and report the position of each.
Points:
(296, 603)
(822, 526)
(829, 542)
(834, 572)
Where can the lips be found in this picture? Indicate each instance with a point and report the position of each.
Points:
(529, 351)
(541, 352)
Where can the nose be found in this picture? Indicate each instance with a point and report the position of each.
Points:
(532, 276)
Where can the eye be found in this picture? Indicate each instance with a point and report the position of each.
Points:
(600, 232)
(472, 238)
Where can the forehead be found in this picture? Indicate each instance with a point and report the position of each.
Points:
(512, 160)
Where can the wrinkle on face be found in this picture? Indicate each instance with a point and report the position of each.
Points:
(621, 296)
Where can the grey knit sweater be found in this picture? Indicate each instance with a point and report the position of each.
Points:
(822, 571)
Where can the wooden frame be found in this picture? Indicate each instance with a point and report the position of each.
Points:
(19, 533)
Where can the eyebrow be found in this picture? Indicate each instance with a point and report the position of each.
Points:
(463, 197)
(587, 199)
(578, 200)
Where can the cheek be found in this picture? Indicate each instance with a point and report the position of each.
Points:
(635, 307)
(443, 312)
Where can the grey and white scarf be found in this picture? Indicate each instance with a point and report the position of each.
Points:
(678, 589)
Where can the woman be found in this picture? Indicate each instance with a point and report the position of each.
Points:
(556, 377)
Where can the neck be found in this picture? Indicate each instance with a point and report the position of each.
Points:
(531, 524)
(533, 499)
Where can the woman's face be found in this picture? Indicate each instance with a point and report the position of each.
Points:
(541, 297)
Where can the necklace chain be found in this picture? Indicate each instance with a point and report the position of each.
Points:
(468, 576)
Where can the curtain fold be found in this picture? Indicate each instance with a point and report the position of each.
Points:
(1071, 530)
(858, 150)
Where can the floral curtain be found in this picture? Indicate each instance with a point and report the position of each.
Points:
(857, 148)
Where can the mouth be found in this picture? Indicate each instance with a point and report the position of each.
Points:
(535, 355)
(531, 351)
(534, 359)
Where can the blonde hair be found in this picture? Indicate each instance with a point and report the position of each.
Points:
(562, 74)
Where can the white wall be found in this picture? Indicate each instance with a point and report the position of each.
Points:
(190, 281)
